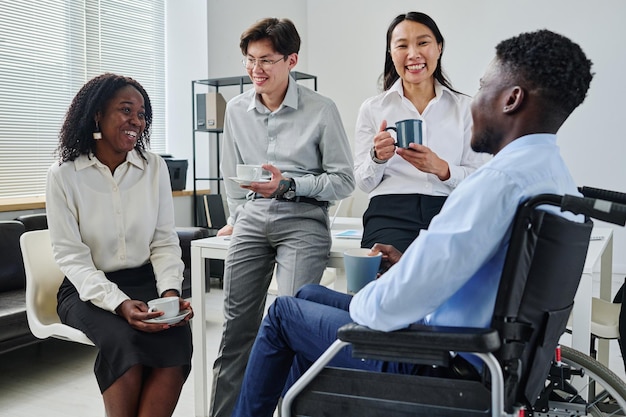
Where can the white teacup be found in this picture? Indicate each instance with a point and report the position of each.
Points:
(168, 305)
(249, 172)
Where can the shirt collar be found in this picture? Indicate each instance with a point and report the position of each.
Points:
(133, 157)
(85, 161)
(290, 100)
(528, 140)
(397, 89)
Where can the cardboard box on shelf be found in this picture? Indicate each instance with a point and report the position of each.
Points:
(210, 109)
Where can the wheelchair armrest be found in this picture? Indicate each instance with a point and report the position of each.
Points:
(418, 344)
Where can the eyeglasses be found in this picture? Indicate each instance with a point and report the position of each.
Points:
(264, 63)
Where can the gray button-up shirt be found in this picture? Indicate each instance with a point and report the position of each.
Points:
(304, 139)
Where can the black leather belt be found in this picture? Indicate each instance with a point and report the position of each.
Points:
(307, 200)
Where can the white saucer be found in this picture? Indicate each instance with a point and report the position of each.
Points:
(172, 320)
(248, 182)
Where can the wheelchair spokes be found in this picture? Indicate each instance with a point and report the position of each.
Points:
(581, 386)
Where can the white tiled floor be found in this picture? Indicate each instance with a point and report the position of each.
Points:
(55, 378)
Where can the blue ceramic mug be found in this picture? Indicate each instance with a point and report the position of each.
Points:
(407, 131)
(361, 268)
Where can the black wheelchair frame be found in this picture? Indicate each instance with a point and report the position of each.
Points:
(545, 257)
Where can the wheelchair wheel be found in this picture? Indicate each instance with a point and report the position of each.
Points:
(605, 391)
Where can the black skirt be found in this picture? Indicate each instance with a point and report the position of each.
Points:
(397, 219)
(119, 345)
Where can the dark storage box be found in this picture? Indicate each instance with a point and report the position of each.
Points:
(178, 172)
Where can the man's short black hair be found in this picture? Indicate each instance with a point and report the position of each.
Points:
(282, 33)
(550, 64)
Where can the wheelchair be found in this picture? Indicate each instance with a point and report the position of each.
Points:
(525, 372)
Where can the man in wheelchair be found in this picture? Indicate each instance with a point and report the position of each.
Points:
(449, 276)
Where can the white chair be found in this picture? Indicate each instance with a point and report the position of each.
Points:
(604, 325)
(604, 322)
(605, 318)
(43, 278)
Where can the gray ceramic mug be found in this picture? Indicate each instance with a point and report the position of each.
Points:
(407, 131)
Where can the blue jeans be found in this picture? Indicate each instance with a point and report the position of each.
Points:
(293, 335)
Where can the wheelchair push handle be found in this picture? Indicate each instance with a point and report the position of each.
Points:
(596, 208)
(609, 195)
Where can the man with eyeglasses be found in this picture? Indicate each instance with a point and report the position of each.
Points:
(282, 221)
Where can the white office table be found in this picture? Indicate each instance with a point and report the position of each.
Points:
(599, 261)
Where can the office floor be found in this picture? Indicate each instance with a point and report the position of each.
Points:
(55, 378)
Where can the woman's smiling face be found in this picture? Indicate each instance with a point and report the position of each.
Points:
(414, 51)
(121, 122)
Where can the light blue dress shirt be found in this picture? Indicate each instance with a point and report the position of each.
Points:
(449, 275)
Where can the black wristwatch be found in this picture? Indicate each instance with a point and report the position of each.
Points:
(290, 194)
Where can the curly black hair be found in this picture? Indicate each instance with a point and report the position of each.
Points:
(76, 135)
(550, 64)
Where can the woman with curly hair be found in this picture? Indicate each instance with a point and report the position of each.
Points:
(111, 220)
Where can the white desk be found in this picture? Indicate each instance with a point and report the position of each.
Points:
(599, 261)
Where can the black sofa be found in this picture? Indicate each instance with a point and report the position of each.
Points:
(14, 330)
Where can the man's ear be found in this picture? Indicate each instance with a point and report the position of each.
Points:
(293, 60)
(514, 100)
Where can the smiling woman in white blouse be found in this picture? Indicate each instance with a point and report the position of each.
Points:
(408, 186)
(111, 220)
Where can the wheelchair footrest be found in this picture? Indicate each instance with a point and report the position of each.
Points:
(345, 392)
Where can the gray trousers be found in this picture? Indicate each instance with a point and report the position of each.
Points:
(294, 238)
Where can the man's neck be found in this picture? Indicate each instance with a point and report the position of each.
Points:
(274, 99)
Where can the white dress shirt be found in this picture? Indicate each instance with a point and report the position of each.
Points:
(449, 275)
(446, 130)
(101, 222)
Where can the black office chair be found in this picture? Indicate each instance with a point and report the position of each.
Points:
(542, 270)
(214, 212)
(36, 221)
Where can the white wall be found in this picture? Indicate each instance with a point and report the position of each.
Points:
(344, 41)
(228, 19)
(186, 31)
(196, 51)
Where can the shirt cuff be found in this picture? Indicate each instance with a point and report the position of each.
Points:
(170, 284)
(170, 289)
(456, 175)
(112, 301)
